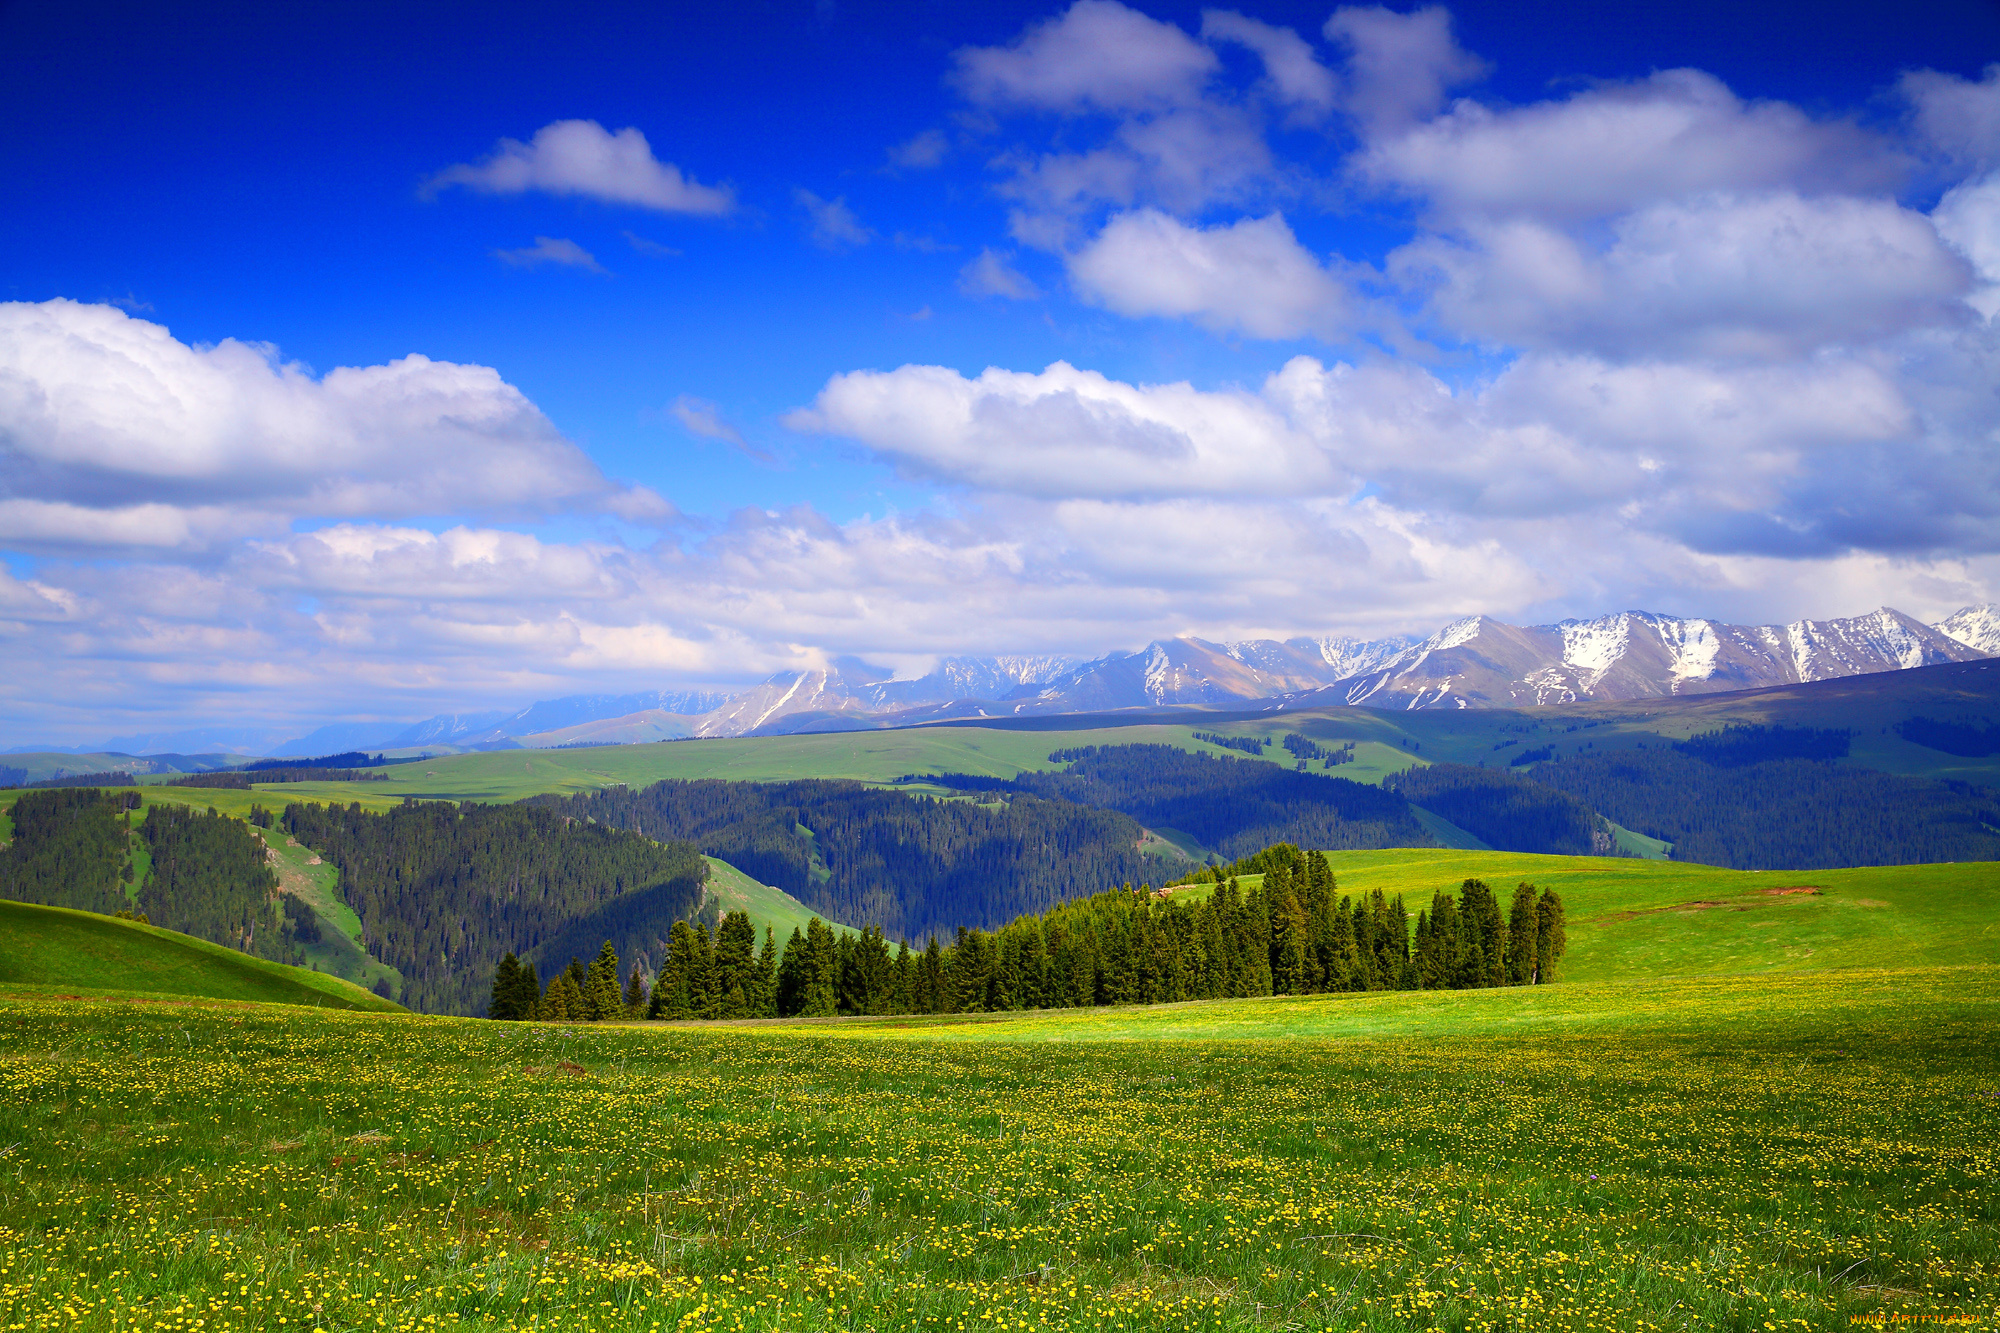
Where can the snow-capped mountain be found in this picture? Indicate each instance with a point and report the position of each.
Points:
(1478, 662)
(1977, 627)
(1483, 663)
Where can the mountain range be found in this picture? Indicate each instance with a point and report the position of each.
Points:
(1478, 662)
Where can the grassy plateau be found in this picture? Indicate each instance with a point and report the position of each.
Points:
(1745, 1153)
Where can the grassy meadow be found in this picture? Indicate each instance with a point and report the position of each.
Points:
(56, 951)
(1730, 1153)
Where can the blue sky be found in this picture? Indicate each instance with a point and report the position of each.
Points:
(1369, 318)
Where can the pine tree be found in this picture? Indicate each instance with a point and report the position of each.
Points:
(1523, 949)
(506, 982)
(735, 965)
(821, 997)
(792, 975)
(635, 993)
(1550, 937)
(527, 992)
(764, 1002)
(602, 1000)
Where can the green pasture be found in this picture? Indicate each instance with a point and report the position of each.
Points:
(734, 891)
(54, 949)
(1751, 1153)
(1631, 919)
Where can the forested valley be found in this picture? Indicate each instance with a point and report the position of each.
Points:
(1291, 934)
(1772, 798)
(201, 874)
(1233, 805)
(915, 866)
(443, 890)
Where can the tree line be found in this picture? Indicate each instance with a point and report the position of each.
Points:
(1507, 811)
(211, 878)
(914, 865)
(208, 876)
(1233, 805)
(1292, 933)
(1780, 814)
(445, 890)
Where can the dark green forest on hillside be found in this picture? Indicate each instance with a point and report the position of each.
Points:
(69, 849)
(1720, 805)
(1293, 934)
(1233, 805)
(72, 848)
(1505, 810)
(210, 879)
(444, 891)
(912, 866)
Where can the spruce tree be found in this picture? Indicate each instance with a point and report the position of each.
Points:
(764, 1001)
(792, 975)
(1523, 950)
(527, 992)
(506, 983)
(822, 979)
(602, 999)
(635, 993)
(1550, 937)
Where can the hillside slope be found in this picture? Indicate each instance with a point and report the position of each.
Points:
(1630, 920)
(69, 951)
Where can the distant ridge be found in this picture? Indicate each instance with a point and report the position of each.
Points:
(1478, 662)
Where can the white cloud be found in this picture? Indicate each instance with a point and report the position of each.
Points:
(1958, 117)
(115, 433)
(579, 157)
(1097, 54)
(1399, 66)
(921, 151)
(650, 248)
(1294, 71)
(704, 418)
(1620, 147)
(1770, 276)
(1805, 459)
(550, 250)
(1968, 217)
(1068, 433)
(1252, 276)
(991, 275)
(834, 226)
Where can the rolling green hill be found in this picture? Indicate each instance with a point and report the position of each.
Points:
(734, 891)
(1630, 920)
(54, 949)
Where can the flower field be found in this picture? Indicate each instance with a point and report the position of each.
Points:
(1743, 1155)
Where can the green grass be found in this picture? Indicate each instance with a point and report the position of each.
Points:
(54, 949)
(767, 905)
(1751, 1153)
(867, 756)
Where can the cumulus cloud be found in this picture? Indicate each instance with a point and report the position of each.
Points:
(992, 275)
(834, 226)
(1174, 140)
(579, 157)
(1097, 54)
(1611, 149)
(1252, 276)
(1294, 72)
(550, 250)
(1968, 218)
(1958, 117)
(1801, 458)
(1771, 275)
(114, 433)
(1399, 66)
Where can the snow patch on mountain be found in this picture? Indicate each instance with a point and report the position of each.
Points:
(1977, 627)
